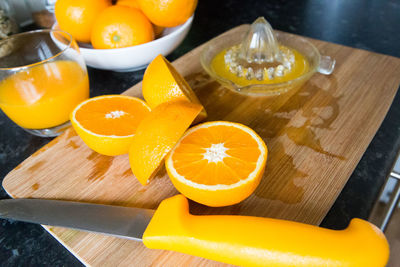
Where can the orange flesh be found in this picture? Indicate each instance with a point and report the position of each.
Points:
(242, 153)
(183, 85)
(163, 83)
(97, 116)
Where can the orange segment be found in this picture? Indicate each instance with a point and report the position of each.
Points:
(162, 83)
(217, 163)
(157, 134)
(108, 123)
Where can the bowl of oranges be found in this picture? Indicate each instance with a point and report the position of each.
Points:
(125, 35)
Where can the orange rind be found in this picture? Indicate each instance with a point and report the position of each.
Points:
(163, 83)
(157, 134)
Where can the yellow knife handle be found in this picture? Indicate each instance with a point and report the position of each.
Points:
(256, 241)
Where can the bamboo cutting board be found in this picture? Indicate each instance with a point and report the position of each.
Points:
(315, 137)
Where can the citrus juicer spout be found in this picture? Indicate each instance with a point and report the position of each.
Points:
(260, 44)
(259, 56)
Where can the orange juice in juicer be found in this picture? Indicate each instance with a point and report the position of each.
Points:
(259, 61)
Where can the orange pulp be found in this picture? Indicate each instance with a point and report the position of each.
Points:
(300, 67)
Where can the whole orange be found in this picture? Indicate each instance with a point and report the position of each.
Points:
(133, 3)
(168, 13)
(77, 16)
(130, 3)
(121, 26)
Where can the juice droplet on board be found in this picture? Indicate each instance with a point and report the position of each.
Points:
(35, 186)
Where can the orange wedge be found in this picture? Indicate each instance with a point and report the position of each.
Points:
(162, 83)
(107, 124)
(157, 134)
(217, 163)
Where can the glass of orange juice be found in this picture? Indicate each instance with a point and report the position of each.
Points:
(42, 78)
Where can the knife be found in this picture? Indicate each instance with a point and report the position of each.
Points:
(239, 240)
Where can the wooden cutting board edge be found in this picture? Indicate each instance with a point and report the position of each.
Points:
(134, 90)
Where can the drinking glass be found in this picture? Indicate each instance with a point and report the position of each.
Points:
(42, 78)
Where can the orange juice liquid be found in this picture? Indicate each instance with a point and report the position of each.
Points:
(300, 67)
(44, 95)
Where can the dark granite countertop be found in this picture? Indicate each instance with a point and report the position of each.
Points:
(367, 24)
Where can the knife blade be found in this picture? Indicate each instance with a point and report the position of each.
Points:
(238, 240)
(124, 222)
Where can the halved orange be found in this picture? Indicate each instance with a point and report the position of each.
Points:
(107, 124)
(217, 163)
(157, 134)
(162, 83)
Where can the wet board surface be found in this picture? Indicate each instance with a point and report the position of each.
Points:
(315, 136)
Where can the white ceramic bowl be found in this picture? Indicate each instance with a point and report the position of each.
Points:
(135, 57)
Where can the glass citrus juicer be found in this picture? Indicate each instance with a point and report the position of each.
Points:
(259, 61)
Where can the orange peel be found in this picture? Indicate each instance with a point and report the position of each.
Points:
(157, 134)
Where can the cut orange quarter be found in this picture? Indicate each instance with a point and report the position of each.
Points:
(217, 163)
(162, 83)
(107, 124)
(157, 134)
